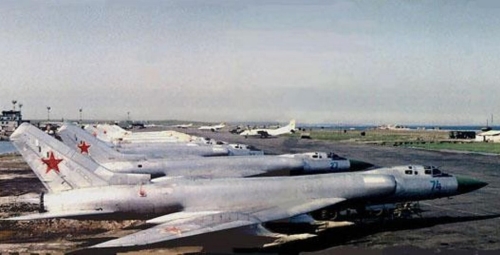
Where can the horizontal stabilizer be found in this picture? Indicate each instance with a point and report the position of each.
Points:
(66, 214)
(179, 216)
(182, 227)
(185, 224)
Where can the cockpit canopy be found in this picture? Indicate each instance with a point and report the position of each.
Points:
(318, 156)
(241, 146)
(434, 171)
(335, 156)
(427, 170)
(209, 141)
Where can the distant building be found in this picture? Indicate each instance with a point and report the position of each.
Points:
(393, 127)
(462, 134)
(9, 121)
(489, 136)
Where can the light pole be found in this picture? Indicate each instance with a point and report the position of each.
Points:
(20, 114)
(48, 113)
(14, 102)
(128, 116)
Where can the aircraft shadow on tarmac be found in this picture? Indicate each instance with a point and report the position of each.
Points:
(19, 185)
(336, 237)
(326, 239)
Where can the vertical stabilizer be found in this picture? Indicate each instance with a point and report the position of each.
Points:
(89, 145)
(60, 167)
(113, 131)
(290, 128)
(91, 129)
(292, 125)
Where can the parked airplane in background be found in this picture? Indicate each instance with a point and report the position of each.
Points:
(75, 137)
(264, 133)
(184, 125)
(212, 128)
(181, 207)
(117, 135)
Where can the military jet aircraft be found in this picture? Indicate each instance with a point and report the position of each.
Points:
(211, 167)
(264, 133)
(212, 128)
(80, 188)
(181, 207)
(78, 138)
(117, 135)
(199, 147)
(184, 125)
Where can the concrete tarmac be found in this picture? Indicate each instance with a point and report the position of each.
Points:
(464, 224)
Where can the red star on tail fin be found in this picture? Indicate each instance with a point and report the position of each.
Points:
(52, 163)
(84, 147)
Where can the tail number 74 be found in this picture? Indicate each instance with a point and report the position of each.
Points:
(436, 185)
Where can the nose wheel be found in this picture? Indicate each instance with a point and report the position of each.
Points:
(407, 210)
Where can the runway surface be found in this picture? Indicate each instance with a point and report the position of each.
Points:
(467, 224)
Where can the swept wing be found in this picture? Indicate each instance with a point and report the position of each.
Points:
(185, 224)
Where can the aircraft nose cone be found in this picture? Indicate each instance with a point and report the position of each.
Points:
(357, 165)
(467, 184)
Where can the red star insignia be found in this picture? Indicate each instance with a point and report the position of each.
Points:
(84, 147)
(142, 192)
(52, 163)
(173, 230)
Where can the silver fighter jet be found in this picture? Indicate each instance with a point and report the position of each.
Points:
(198, 147)
(179, 207)
(210, 167)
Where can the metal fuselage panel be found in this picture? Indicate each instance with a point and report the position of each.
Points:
(221, 194)
(176, 151)
(208, 167)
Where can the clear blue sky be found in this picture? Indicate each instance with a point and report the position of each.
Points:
(408, 62)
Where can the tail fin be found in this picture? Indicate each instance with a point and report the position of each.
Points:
(91, 129)
(87, 144)
(106, 132)
(114, 131)
(290, 128)
(61, 168)
(292, 125)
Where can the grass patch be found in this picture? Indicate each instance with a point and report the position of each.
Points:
(426, 139)
(378, 135)
(475, 147)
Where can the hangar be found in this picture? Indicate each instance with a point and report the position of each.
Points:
(489, 136)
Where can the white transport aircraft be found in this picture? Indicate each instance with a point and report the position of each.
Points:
(264, 133)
